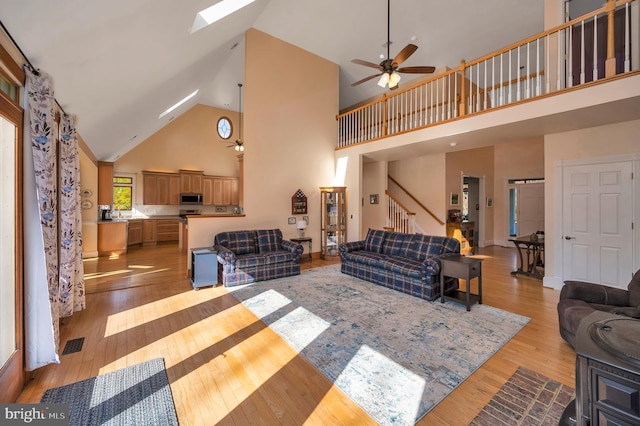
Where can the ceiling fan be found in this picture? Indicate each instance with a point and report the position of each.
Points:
(389, 67)
(239, 143)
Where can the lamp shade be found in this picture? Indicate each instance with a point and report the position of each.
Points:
(301, 224)
(394, 79)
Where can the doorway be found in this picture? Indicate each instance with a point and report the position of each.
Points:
(472, 210)
(526, 207)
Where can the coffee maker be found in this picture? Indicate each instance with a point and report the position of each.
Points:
(105, 212)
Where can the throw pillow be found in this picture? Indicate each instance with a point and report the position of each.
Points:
(269, 240)
(634, 289)
(373, 242)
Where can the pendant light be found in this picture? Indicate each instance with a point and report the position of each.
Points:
(239, 142)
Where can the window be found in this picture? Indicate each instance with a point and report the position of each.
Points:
(122, 192)
(224, 128)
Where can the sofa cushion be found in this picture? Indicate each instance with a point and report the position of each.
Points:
(634, 289)
(374, 239)
(269, 240)
(424, 246)
(396, 244)
(256, 259)
(365, 257)
(240, 242)
(402, 265)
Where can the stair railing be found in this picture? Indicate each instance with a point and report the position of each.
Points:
(399, 218)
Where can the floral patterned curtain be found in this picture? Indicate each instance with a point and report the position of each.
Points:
(71, 281)
(60, 224)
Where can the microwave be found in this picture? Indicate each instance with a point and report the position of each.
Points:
(191, 198)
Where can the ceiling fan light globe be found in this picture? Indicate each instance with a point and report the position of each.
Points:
(384, 79)
(394, 79)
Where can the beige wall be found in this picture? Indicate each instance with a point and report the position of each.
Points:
(424, 178)
(89, 181)
(290, 132)
(615, 139)
(524, 159)
(374, 181)
(478, 163)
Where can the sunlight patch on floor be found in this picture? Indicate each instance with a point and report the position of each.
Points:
(372, 377)
(153, 311)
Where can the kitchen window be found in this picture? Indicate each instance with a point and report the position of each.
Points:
(123, 192)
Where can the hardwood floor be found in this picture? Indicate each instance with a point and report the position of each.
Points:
(226, 367)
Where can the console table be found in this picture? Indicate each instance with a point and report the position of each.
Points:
(304, 240)
(534, 249)
(465, 268)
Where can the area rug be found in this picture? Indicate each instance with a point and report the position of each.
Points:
(395, 355)
(528, 398)
(136, 395)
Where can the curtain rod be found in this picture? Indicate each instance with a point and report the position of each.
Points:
(29, 64)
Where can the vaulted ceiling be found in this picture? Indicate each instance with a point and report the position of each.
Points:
(118, 64)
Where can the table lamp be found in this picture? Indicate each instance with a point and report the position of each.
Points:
(301, 225)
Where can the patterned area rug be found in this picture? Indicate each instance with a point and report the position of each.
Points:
(528, 398)
(395, 355)
(136, 395)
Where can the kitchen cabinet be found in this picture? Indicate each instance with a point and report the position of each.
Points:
(160, 188)
(160, 230)
(225, 191)
(333, 220)
(167, 230)
(105, 183)
(191, 181)
(149, 231)
(112, 238)
(134, 232)
(207, 190)
(174, 189)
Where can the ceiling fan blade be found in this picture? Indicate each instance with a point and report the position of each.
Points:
(366, 64)
(404, 54)
(417, 70)
(365, 79)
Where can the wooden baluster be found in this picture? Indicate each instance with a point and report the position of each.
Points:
(582, 53)
(462, 88)
(385, 124)
(595, 48)
(627, 43)
(610, 64)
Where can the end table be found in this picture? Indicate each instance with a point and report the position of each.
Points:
(465, 268)
(304, 240)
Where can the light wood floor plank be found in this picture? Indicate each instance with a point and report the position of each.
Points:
(226, 367)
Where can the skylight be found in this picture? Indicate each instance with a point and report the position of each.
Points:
(216, 12)
(178, 104)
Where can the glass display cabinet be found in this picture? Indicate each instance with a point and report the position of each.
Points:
(333, 219)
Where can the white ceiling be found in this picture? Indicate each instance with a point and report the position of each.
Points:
(118, 64)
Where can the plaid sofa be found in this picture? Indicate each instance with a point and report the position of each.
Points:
(249, 256)
(409, 263)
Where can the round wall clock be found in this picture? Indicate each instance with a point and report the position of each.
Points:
(224, 128)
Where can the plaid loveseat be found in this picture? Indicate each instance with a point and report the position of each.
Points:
(409, 263)
(248, 256)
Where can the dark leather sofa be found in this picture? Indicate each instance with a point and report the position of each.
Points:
(578, 299)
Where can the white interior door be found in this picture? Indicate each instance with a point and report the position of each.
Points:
(597, 223)
(530, 208)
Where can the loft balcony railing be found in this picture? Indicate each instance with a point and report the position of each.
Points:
(593, 48)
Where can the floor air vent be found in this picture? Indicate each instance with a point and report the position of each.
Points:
(73, 346)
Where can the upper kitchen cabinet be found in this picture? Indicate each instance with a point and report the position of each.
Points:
(160, 188)
(105, 183)
(191, 181)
